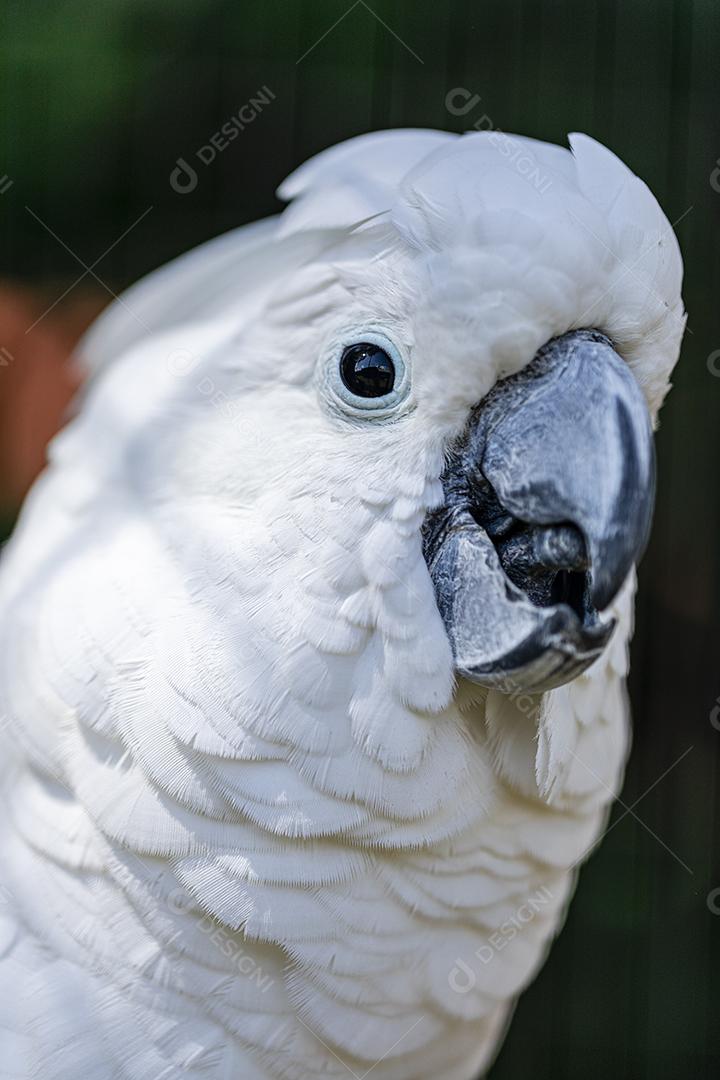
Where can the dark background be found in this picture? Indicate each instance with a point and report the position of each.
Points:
(98, 101)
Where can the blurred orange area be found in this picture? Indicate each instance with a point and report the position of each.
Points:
(37, 376)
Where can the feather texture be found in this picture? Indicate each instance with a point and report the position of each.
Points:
(253, 825)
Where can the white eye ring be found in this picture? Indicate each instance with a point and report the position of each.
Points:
(355, 404)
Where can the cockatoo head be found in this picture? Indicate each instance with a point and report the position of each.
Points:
(431, 447)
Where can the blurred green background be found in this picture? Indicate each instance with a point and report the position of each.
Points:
(97, 104)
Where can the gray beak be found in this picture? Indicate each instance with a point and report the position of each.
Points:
(548, 504)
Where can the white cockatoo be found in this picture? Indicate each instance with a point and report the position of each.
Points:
(314, 630)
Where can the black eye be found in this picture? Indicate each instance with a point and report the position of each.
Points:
(367, 370)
